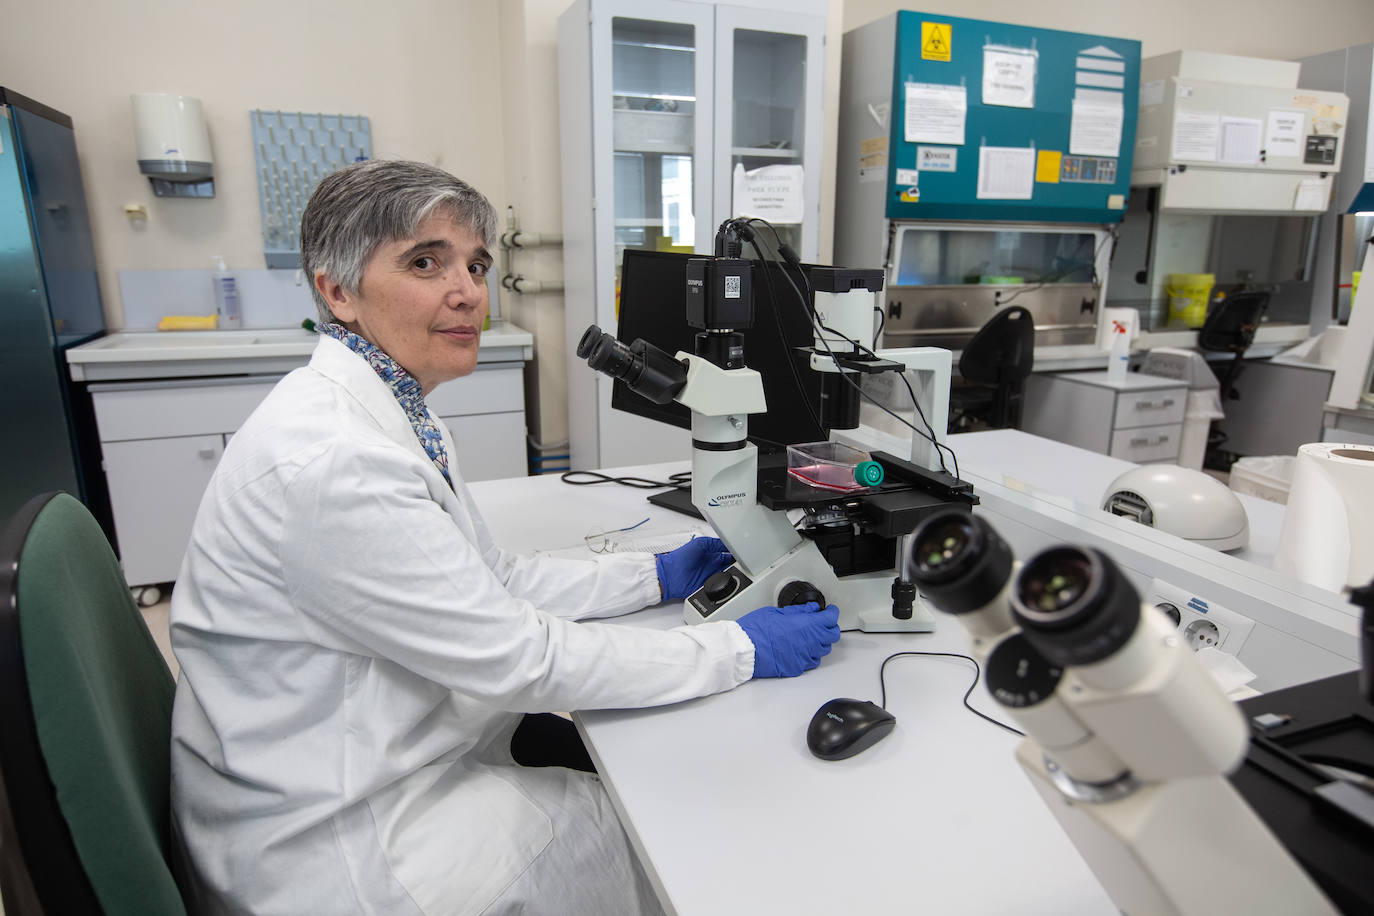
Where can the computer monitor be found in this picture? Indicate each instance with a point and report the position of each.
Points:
(653, 307)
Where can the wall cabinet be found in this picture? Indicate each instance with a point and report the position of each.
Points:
(664, 104)
(161, 441)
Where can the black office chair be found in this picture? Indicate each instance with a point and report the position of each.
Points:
(85, 727)
(1230, 327)
(994, 367)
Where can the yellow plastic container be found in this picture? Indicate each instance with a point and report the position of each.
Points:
(1188, 295)
(188, 323)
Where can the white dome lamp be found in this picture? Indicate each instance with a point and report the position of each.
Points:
(173, 144)
(1181, 501)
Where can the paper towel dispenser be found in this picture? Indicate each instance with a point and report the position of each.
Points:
(173, 144)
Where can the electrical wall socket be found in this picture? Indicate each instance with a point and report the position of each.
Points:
(1201, 623)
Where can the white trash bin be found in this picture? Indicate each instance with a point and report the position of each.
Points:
(1204, 398)
(1268, 476)
(1203, 406)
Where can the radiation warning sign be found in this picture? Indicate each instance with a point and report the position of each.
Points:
(935, 39)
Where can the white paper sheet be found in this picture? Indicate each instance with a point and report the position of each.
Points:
(935, 113)
(1283, 135)
(1152, 93)
(1006, 172)
(1195, 135)
(1095, 129)
(1240, 140)
(1009, 77)
(1312, 194)
(773, 192)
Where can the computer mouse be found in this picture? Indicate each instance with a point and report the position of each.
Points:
(844, 726)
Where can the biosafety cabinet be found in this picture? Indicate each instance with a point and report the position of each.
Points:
(675, 115)
(981, 164)
(1234, 164)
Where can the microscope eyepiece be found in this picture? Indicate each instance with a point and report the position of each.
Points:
(1075, 605)
(647, 369)
(612, 357)
(959, 562)
(589, 340)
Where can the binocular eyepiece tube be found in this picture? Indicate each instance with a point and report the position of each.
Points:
(648, 370)
(1073, 603)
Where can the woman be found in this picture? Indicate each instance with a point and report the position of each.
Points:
(356, 652)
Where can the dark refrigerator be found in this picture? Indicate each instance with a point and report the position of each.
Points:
(49, 302)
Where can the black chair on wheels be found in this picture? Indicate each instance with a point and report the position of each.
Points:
(85, 727)
(1230, 327)
(994, 367)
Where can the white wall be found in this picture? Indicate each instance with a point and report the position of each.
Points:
(424, 71)
(467, 84)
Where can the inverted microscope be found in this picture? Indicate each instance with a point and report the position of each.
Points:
(845, 548)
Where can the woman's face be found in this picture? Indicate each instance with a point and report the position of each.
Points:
(422, 300)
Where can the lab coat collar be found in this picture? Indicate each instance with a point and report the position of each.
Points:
(336, 362)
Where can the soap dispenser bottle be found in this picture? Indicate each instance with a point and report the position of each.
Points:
(226, 296)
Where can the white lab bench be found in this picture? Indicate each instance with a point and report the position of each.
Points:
(731, 813)
(166, 404)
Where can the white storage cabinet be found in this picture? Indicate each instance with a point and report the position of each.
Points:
(1139, 419)
(162, 440)
(661, 100)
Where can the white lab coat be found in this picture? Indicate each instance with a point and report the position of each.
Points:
(355, 653)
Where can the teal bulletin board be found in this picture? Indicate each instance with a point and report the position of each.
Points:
(1005, 122)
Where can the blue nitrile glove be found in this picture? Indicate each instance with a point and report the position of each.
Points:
(790, 640)
(682, 571)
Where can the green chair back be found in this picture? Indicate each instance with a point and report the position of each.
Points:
(85, 722)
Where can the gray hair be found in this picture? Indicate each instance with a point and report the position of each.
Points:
(363, 206)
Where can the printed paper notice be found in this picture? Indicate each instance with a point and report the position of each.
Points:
(1313, 194)
(773, 192)
(935, 114)
(1006, 172)
(1240, 140)
(1152, 93)
(1195, 135)
(1009, 77)
(1283, 136)
(1095, 129)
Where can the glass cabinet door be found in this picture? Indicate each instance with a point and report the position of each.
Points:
(767, 145)
(654, 104)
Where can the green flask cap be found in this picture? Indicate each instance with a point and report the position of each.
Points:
(868, 473)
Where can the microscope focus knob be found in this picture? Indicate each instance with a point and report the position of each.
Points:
(719, 586)
(799, 591)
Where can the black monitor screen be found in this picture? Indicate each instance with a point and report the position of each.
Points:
(653, 307)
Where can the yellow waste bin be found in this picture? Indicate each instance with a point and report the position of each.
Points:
(1188, 295)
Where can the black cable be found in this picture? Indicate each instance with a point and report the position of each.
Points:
(805, 301)
(977, 675)
(679, 480)
(929, 435)
(882, 325)
(782, 335)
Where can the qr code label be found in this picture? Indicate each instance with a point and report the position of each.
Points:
(732, 287)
